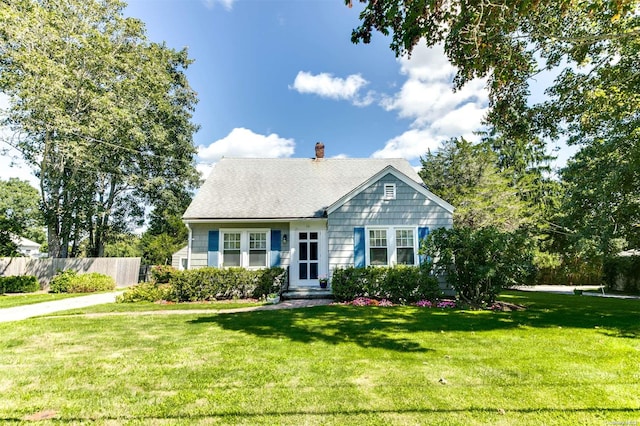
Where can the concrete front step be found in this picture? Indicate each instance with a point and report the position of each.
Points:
(307, 294)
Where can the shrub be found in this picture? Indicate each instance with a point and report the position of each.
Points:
(146, 292)
(399, 284)
(270, 281)
(232, 283)
(60, 283)
(19, 284)
(162, 273)
(70, 281)
(479, 263)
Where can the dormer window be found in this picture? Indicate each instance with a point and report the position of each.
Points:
(389, 191)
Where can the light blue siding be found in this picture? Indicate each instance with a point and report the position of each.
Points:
(410, 208)
(201, 256)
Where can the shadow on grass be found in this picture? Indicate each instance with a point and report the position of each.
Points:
(391, 328)
(378, 328)
(324, 413)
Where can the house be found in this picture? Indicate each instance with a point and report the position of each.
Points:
(311, 215)
(27, 247)
(179, 258)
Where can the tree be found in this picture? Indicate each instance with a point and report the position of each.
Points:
(123, 245)
(479, 263)
(100, 112)
(166, 235)
(466, 175)
(8, 229)
(507, 42)
(21, 202)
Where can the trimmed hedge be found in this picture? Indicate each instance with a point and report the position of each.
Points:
(206, 284)
(399, 284)
(19, 284)
(146, 292)
(622, 274)
(70, 281)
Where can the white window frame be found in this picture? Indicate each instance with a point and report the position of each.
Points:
(244, 246)
(389, 191)
(392, 252)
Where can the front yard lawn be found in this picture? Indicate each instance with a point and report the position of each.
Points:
(151, 306)
(564, 360)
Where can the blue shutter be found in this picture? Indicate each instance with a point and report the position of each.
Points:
(213, 248)
(423, 233)
(275, 247)
(359, 248)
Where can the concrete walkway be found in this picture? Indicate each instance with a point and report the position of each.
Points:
(588, 290)
(28, 311)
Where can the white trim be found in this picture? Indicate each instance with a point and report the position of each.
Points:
(401, 176)
(244, 246)
(392, 249)
(323, 252)
(389, 191)
(189, 243)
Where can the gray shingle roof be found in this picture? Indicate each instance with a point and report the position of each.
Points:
(271, 188)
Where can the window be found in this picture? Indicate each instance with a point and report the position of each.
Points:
(391, 246)
(257, 249)
(404, 246)
(389, 191)
(249, 249)
(378, 247)
(231, 249)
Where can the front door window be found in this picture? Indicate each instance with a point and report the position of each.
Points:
(308, 250)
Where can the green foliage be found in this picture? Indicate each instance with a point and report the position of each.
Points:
(232, 283)
(101, 113)
(69, 281)
(270, 280)
(8, 229)
(146, 292)
(62, 281)
(622, 273)
(162, 274)
(21, 202)
(399, 284)
(19, 284)
(166, 234)
(123, 245)
(467, 176)
(478, 264)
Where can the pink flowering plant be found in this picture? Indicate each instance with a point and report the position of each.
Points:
(442, 304)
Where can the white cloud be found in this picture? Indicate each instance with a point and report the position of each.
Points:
(227, 4)
(241, 142)
(427, 98)
(327, 86)
(410, 145)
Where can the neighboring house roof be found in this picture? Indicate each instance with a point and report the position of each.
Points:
(24, 243)
(261, 188)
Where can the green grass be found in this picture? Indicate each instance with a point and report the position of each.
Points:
(150, 306)
(565, 360)
(12, 300)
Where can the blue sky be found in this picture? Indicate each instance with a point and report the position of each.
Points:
(274, 77)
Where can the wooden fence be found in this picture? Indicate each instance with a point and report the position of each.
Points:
(124, 270)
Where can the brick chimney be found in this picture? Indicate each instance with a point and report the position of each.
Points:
(319, 150)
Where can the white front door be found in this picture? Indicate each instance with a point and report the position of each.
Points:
(309, 261)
